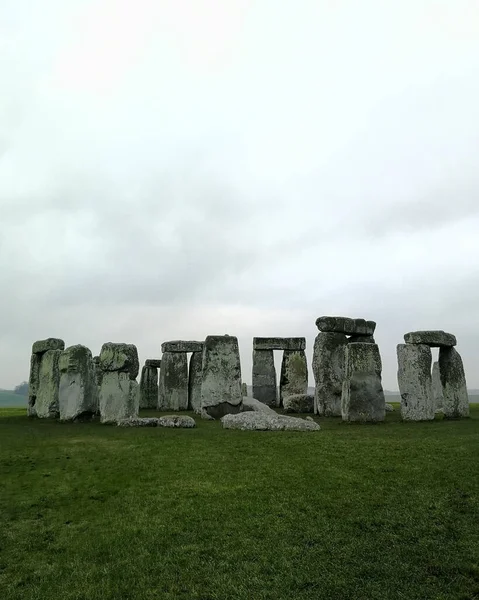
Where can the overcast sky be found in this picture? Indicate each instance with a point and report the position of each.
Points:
(171, 169)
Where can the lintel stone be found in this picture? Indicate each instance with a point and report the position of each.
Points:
(43, 346)
(153, 362)
(433, 339)
(346, 325)
(277, 343)
(182, 346)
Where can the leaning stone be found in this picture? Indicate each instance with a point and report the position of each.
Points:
(437, 387)
(153, 362)
(389, 407)
(453, 379)
(78, 392)
(149, 387)
(182, 346)
(434, 339)
(221, 383)
(194, 382)
(177, 421)
(294, 374)
(328, 371)
(43, 346)
(173, 387)
(264, 377)
(415, 385)
(299, 403)
(252, 404)
(346, 325)
(120, 357)
(143, 422)
(119, 398)
(361, 339)
(276, 343)
(260, 421)
(46, 404)
(363, 396)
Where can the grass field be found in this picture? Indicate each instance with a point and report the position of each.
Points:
(9, 400)
(91, 512)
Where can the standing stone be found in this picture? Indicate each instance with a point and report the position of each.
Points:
(33, 383)
(453, 379)
(221, 382)
(294, 374)
(194, 382)
(78, 393)
(264, 377)
(122, 358)
(44, 379)
(244, 390)
(363, 396)
(98, 371)
(437, 388)
(415, 382)
(328, 370)
(149, 387)
(173, 388)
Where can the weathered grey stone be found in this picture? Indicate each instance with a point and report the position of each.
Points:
(276, 343)
(78, 391)
(173, 388)
(221, 383)
(33, 382)
(98, 371)
(363, 396)
(43, 346)
(361, 339)
(46, 405)
(251, 404)
(415, 385)
(195, 376)
(120, 357)
(294, 374)
(433, 339)
(177, 421)
(389, 407)
(244, 389)
(437, 392)
(140, 422)
(299, 403)
(182, 346)
(261, 421)
(328, 370)
(149, 387)
(119, 397)
(453, 379)
(153, 362)
(264, 377)
(346, 325)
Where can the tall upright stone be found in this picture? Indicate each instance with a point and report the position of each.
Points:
(98, 371)
(328, 370)
(173, 387)
(453, 379)
(44, 379)
(221, 381)
(294, 374)
(78, 392)
(244, 390)
(363, 396)
(415, 382)
(437, 392)
(264, 377)
(149, 387)
(194, 382)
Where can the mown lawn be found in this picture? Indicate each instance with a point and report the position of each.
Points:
(353, 512)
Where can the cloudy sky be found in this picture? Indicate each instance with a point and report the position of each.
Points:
(171, 169)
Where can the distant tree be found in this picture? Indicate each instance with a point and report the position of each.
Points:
(22, 389)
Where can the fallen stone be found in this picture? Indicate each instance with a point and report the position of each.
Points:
(221, 382)
(389, 407)
(177, 421)
(140, 422)
(437, 387)
(328, 371)
(299, 403)
(153, 362)
(346, 325)
(43, 346)
(453, 379)
(173, 387)
(433, 339)
(122, 358)
(119, 397)
(264, 377)
(182, 346)
(294, 374)
(252, 404)
(363, 396)
(276, 343)
(78, 390)
(149, 387)
(45, 404)
(260, 421)
(415, 385)
(195, 376)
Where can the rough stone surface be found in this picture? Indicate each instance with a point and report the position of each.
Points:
(173, 388)
(433, 339)
(149, 387)
(389, 407)
(261, 421)
(244, 389)
(251, 404)
(33, 382)
(276, 343)
(45, 404)
(346, 325)
(140, 422)
(78, 391)
(415, 384)
(120, 357)
(176, 421)
(221, 382)
(153, 362)
(453, 379)
(363, 396)
(119, 397)
(43, 346)
(194, 382)
(361, 339)
(299, 403)
(294, 374)
(98, 371)
(264, 377)
(437, 387)
(182, 346)
(328, 370)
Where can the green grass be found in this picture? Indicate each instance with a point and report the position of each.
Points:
(352, 512)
